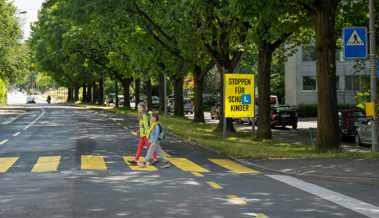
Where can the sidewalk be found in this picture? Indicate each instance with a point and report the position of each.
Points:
(332, 168)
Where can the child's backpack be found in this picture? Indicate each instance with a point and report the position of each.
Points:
(162, 134)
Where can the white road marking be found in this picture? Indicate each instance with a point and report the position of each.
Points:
(12, 119)
(4, 141)
(16, 134)
(350, 203)
(35, 120)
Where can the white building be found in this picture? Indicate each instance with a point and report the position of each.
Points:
(300, 78)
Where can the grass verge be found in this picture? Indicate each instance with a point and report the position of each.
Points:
(243, 145)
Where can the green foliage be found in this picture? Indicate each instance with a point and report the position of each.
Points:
(12, 59)
(3, 91)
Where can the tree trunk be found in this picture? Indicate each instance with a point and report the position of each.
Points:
(116, 93)
(89, 94)
(178, 95)
(94, 93)
(84, 93)
(198, 103)
(161, 93)
(101, 91)
(137, 83)
(264, 70)
(76, 93)
(149, 93)
(70, 94)
(324, 16)
(126, 85)
(229, 121)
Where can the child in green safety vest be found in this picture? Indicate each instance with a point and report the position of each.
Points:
(144, 130)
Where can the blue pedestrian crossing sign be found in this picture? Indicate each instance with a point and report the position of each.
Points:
(355, 43)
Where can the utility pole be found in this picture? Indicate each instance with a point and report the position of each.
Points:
(374, 97)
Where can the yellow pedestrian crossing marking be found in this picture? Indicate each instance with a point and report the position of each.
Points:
(47, 164)
(261, 215)
(166, 154)
(187, 165)
(234, 199)
(138, 168)
(91, 162)
(6, 163)
(257, 215)
(197, 174)
(233, 166)
(214, 185)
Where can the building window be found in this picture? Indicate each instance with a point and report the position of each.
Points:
(309, 83)
(309, 53)
(357, 83)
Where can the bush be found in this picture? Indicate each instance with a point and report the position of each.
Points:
(3, 92)
(307, 110)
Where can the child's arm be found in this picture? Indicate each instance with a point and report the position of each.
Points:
(154, 136)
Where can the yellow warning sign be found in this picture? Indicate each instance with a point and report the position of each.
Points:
(370, 109)
(239, 95)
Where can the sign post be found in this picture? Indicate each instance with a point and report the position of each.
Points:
(239, 96)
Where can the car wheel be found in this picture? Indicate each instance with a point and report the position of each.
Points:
(357, 140)
(294, 126)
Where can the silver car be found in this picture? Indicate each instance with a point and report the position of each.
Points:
(363, 133)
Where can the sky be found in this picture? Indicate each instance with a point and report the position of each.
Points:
(31, 7)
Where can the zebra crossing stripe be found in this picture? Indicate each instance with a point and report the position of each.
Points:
(46, 164)
(6, 163)
(92, 162)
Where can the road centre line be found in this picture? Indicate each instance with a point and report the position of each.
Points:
(350, 203)
(35, 120)
(12, 119)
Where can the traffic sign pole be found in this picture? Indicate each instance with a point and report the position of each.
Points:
(374, 97)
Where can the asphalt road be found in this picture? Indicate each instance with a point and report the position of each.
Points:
(58, 161)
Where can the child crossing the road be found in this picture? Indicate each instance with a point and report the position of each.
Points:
(155, 136)
(144, 129)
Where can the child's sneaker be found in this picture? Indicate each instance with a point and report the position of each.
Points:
(133, 162)
(165, 164)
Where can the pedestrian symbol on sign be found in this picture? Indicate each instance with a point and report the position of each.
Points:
(246, 99)
(355, 39)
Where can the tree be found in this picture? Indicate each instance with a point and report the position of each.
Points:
(324, 14)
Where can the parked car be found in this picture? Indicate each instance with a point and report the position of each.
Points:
(274, 102)
(187, 103)
(155, 101)
(363, 132)
(30, 99)
(284, 115)
(347, 121)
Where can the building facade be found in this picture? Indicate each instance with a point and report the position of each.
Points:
(300, 78)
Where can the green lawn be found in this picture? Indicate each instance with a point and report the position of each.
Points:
(242, 145)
